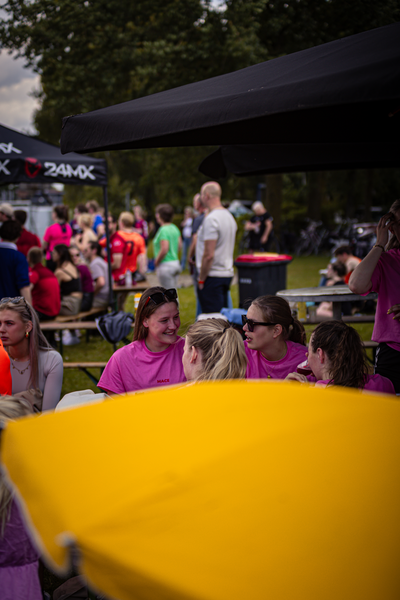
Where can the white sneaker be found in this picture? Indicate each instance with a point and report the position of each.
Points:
(69, 339)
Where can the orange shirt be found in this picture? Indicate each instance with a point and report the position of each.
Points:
(5, 374)
(135, 245)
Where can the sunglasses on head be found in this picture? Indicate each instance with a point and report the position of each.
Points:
(251, 324)
(15, 300)
(161, 297)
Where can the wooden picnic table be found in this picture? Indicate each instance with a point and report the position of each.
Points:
(335, 294)
(121, 292)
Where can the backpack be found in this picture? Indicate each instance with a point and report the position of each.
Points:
(115, 326)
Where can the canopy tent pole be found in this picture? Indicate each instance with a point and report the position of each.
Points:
(110, 280)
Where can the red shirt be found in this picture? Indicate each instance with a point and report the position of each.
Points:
(27, 240)
(117, 246)
(46, 290)
(135, 245)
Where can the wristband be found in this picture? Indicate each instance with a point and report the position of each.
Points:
(379, 246)
(200, 282)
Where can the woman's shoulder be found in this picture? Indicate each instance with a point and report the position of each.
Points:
(379, 383)
(393, 254)
(90, 234)
(296, 347)
(128, 352)
(51, 229)
(83, 269)
(50, 357)
(179, 344)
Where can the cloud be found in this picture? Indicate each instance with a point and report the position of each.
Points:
(16, 83)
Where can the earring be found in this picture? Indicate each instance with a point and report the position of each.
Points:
(27, 334)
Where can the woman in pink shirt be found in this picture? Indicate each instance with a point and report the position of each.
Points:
(275, 341)
(154, 358)
(380, 272)
(58, 233)
(336, 357)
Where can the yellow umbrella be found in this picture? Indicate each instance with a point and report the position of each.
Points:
(218, 491)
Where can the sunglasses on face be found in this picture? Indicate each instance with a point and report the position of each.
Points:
(161, 297)
(251, 324)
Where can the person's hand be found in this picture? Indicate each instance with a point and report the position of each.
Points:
(248, 226)
(395, 311)
(200, 285)
(382, 231)
(297, 377)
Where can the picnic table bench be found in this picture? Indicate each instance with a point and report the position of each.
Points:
(85, 365)
(77, 317)
(72, 322)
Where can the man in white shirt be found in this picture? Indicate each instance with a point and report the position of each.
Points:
(99, 270)
(214, 251)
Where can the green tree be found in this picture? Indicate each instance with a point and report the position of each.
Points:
(94, 53)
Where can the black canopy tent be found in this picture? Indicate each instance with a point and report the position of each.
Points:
(346, 91)
(24, 159)
(259, 159)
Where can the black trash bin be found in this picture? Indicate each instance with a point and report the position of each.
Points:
(261, 274)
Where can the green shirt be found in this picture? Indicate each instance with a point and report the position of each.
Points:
(171, 233)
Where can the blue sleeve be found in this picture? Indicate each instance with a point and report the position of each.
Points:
(21, 271)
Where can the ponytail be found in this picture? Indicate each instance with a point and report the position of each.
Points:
(222, 348)
(297, 333)
(346, 355)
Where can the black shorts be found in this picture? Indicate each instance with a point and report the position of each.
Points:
(387, 364)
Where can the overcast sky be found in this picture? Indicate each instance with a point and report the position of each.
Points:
(16, 83)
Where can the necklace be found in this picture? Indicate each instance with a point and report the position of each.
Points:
(16, 368)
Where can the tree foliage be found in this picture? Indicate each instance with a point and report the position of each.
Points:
(94, 53)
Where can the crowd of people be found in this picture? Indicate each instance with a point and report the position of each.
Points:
(272, 344)
(75, 277)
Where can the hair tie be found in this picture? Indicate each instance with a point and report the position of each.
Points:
(226, 328)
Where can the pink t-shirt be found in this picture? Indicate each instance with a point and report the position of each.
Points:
(135, 367)
(260, 368)
(375, 383)
(57, 234)
(386, 281)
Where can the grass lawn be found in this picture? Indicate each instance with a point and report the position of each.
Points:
(302, 272)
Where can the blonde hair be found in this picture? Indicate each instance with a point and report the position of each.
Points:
(10, 408)
(85, 219)
(127, 219)
(222, 347)
(36, 339)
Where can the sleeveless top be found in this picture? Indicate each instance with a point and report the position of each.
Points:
(68, 287)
